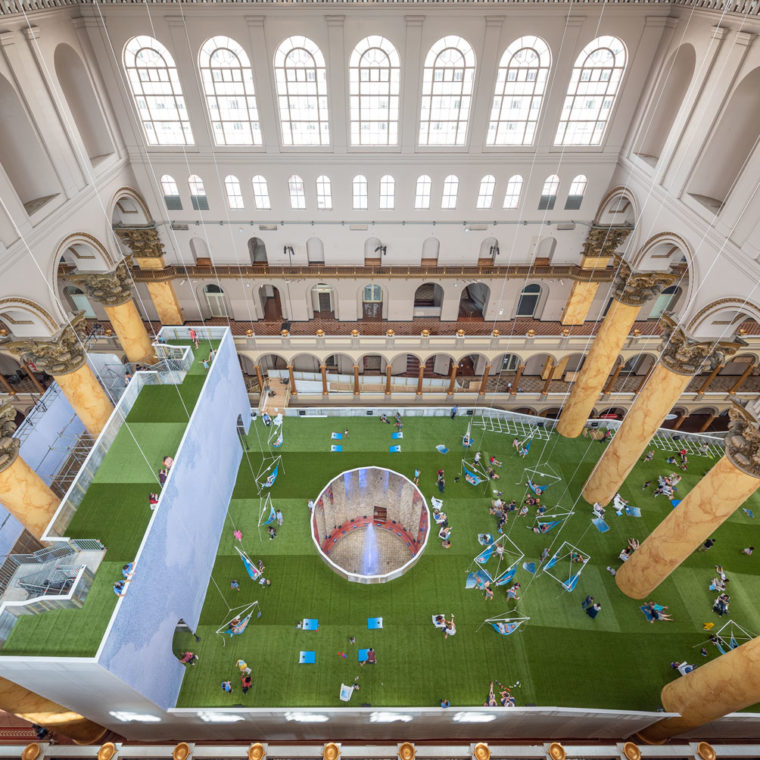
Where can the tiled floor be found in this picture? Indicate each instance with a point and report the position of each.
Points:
(349, 550)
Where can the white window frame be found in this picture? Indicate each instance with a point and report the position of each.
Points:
(486, 191)
(197, 193)
(297, 192)
(157, 92)
(387, 192)
(592, 92)
(261, 192)
(234, 191)
(374, 84)
(423, 191)
(324, 192)
(519, 93)
(301, 82)
(549, 193)
(360, 191)
(447, 85)
(513, 192)
(228, 86)
(450, 192)
(576, 192)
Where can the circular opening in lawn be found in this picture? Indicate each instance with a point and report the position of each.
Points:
(370, 524)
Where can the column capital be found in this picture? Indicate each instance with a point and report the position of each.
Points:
(636, 288)
(9, 446)
(603, 240)
(142, 240)
(742, 444)
(61, 354)
(684, 355)
(108, 288)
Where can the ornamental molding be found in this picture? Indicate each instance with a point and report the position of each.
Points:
(742, 444)
(603, 240)
(143, 240)
(107, 288)
(9, 445)
(636, 288)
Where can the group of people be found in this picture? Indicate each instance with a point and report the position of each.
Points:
(163, 474)
(505, 698)
(655, 612)
(396, 421)
(447, 626)
(520, 447)
(246, 681)
(127, 571)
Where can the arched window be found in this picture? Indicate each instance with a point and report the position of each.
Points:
(324, 192)
(261, 192)
(450, 191)
(447, 83)
(575, 196)
(234, 193)
(374, 77)
(665, 302)
(520, 87)
(594, 84)
(228, 86)
(171, 193)
(485, 194)
(422, 192)
(387, 191)
(197, 193)
(360, 191)
(302, 92)
(549, 193)
(157, 92)
(514, 188)
(215, 301)
(372, 294)
(526, 306)
(297, 193)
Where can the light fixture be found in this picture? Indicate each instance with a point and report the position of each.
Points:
(207, 716)
(125, 716)
(306, 717)
(473, 717)
(389, 717)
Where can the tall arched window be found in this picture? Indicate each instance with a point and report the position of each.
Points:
(514, 188)
(450, 191)
(197, 193)
(324, 192)
(520, 87)
(526, 306)
(155, 86)
(261, 192)
(422, 192)
(549, 193)
(447, 83)
(577, 189)
(171, 193)
(594, 84)
(360, 191)
(228, 86)
(387, 191)
(215, 301)
(234, 193)
(297, 193)
(485, 194)
(301, 81)
(374, 80)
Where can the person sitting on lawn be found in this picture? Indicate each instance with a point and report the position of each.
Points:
(494, 462)
(450, 629)
(598, 510)
(491, 700)
(492, 474)
(516, 444)
(487, 590)
(512, 592)
(721, 604)
(153, 500)
(649, 456)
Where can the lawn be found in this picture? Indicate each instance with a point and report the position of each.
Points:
(115, 511)
(559, 657)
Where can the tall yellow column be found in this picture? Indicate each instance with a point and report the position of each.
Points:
(723, 685)
(114, 291)
(631, 291)
(146, 246)
(22, 491)
(681, 358)
(598, 248)
(708, 505)
(29, 706)
(63, 356)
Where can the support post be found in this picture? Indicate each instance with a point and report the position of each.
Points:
(292, 377)
(738, 384)
(706, 424)
(6, 385)
(323, 371)
(452, 378)
(518, 375)
(549, 378)
(613, 378)
(388, 379)
(484, 380)
(35, 382)
(259, 377)
(420, 376)
(708, 382)
(356, 379)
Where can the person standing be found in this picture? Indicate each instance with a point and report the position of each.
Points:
(246, 682)
(227, 687)
(440, 481)
(279, 517)
(453, 411)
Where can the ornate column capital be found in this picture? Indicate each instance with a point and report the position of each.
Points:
(604, 241)
(143, 241)
(9, 446)
(686, 356)
(108, 288)
(742, 443)
(59, 355)
(636, 288)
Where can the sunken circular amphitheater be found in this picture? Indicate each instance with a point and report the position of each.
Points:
(370, 524)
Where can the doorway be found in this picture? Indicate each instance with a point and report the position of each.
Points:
(372, 303)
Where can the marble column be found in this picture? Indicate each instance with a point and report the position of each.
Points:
(146, 246)
(548, 380)
(682, 357)
(598, 248)
(484, 380)
(323, 372)
(356, 379)
(34, 708)
(7, 387)
(708, 381)
(452, 378)
(388, 380)
(114, 291)
(63, 356)
(35, 382)
(518, 375)
(706, 424)
(728, 484)
(742, 379)
(260, 378)
(630, 291)
(420, 376)
(724, 685)
(613, 378)
(292, 377)
(22, 491)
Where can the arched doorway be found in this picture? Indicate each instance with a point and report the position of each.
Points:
(315, 251)
(215, 301)
(257, 250)
(427, 300)
(322, 301)
(271, 305)
(473, 302)
(372, 303)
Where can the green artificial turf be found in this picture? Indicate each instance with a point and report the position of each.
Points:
(115, 511)
(560, 656)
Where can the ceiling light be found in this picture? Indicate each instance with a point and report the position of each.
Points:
(124, 716)
(306, 717)
(389, 717)
(474, 717)
(214, 717)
